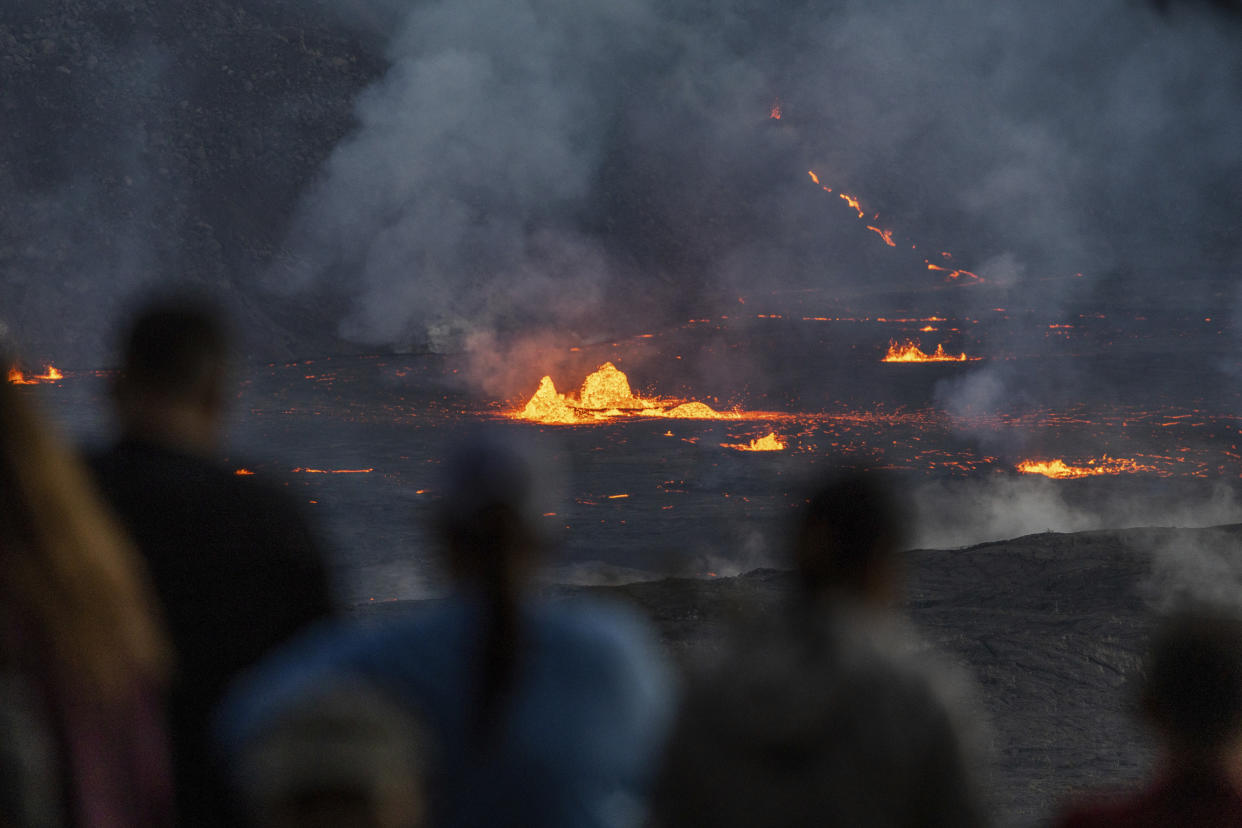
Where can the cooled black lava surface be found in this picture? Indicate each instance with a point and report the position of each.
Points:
(1052, 628)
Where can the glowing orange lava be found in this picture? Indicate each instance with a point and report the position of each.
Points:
(887, 235)
(952, 275)
(609, 388)
(606, 395)
(1059, 469)
(243, 472)
(768, 442)
(911, 352)
(16, 377)
(332, 471)
(775, 112)
(853, 202)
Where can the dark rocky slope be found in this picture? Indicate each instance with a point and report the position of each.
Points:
(1051, 627)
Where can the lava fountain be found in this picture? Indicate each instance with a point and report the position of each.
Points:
(768, 442)
(605, 395)
(911, 352)
(51, 374)
(1060, 470)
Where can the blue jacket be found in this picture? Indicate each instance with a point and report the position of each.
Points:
(583, 726)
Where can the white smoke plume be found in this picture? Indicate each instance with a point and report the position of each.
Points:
(538, 163)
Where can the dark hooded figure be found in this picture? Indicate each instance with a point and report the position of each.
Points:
(825, 714)
(233, 563)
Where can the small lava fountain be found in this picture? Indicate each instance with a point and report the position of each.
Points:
(605, 395)
(51, 374)
(911, 352)
(1059, 469)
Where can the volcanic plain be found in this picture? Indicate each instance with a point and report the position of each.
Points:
(1051, 628)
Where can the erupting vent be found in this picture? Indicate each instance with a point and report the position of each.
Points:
(50, 375)
(911, 352)
(1095, 466)
(606, 395)
(768, 442)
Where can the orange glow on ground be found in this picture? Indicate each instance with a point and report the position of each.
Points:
(953, 275)
(768, 442)
(911, 352)
(853, 202)
(887, 235)
(605, 395)
(16, 377)
(301, 470)
(1059, 469)
(243, 472)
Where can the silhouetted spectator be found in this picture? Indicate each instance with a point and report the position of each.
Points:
(83, 657)
(547, 713)
(1192, 697)
(233, 562)
(825, 714)
(344, 756)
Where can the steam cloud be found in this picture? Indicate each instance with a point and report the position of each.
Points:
(519, 166)
(536, 163)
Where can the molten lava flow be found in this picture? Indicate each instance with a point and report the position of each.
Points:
(1059, 469)
(853, 202)
(606, 395)
(775, 112)
(887, 235)
(768, 442)
(911, 352)
(243, 472)
(16, 377)
(300, 470)
(952, 275)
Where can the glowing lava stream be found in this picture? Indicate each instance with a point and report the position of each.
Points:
(911, 352)
(605, 396)
(50, 375)
(952, 274)
(300, 470)
(1059, 469)
(768, 442)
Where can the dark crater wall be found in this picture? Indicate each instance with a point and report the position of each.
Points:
(156, 141)
(1052, 629)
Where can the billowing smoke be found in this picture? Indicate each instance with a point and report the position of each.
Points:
(422, 174)
(965, 512)
(541, 164)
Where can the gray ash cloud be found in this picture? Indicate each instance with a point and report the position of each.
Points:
(404, 175)
(539, 164)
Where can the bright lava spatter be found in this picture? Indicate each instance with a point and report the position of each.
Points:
(952, 275)
(605, 395)
(768, 442)
(16, 377)
(1059, 469)
(911, 352)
